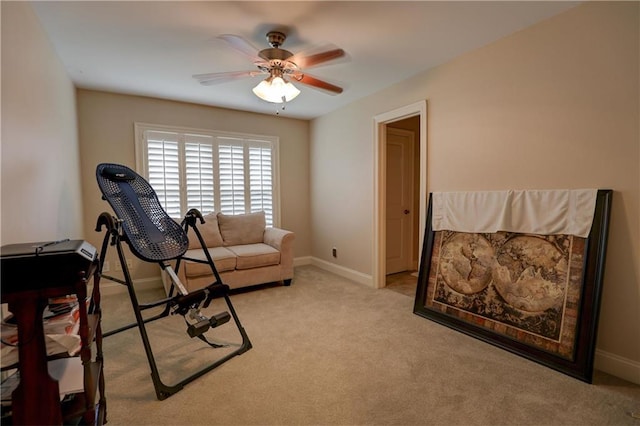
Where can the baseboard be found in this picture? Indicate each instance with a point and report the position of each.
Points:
(618, 366)
(109, 287)
(301, 261)
(350, 274)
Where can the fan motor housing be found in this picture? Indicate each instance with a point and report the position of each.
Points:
(275, 54)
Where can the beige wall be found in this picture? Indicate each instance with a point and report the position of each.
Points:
(106, 122)
(40, 185)
(553, 106)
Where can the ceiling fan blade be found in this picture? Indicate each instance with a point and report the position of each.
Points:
(312, 60)
(220, 77)
(315, 82)
(241, 45)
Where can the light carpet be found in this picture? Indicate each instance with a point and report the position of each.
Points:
(328, 351)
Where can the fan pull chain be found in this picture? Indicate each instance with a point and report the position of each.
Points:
(284, 101)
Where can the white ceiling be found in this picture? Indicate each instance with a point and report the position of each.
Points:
(152, 48)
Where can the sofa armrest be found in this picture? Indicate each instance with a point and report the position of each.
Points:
(277, 238)
(282, 240)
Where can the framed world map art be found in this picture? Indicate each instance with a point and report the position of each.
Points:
(536, 295)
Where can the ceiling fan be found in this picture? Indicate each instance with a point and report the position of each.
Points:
(280, 65)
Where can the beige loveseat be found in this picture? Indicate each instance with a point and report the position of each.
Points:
(244, 250)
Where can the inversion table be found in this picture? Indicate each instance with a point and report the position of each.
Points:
(153, 236)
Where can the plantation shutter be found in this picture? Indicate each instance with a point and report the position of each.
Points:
(198, 160)
(163, 158)
(261, 179)
(231, 172)
(209, 171)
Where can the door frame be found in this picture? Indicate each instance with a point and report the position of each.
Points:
(380, 178)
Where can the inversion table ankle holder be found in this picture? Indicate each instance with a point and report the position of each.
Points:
(154, 237)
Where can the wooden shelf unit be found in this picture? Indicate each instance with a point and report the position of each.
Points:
(36, 400)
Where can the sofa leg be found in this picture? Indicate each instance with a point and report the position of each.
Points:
(287, 283)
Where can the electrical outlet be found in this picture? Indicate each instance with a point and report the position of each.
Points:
(130, 263)
(105, 266)
(334, 252)
(118, 266)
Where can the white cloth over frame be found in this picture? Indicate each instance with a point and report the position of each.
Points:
(545, 212)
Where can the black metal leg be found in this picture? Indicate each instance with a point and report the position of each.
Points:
(163, 390)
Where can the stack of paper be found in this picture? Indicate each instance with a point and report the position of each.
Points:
(67, 371)
(60, 322)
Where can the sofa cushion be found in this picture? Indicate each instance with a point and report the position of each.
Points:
(255, 255)
(224, 260)
(242, 228)
(209, 231)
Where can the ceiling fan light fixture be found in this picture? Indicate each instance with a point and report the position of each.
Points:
(276, 90)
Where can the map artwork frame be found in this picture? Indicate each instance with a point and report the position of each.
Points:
(548, 315)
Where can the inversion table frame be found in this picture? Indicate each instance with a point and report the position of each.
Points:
(153, 236)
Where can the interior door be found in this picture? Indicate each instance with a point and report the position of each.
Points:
(399, 195)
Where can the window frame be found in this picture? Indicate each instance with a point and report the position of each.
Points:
(141, 156)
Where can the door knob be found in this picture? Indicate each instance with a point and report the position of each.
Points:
(406, 211)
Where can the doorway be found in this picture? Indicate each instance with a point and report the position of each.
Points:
(412, 119)
(400, 204)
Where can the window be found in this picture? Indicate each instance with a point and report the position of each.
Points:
(231, 173)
